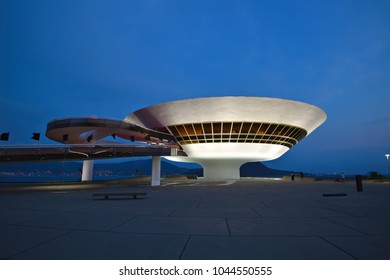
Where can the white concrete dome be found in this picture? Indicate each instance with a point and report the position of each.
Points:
(230, 108)
(222, 133)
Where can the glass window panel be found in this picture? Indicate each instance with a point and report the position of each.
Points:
(254, 128)
(190, 129)
(302, 135)
(296, 133)
(284, 129)
(217, 128)
(207, 128)
(291, 132)
(292, 141)
(263, 128)
(277, 130)
(236, 128)
(245, 127)
(227, 127)
(198, 128)
(181, 129)
(271, 129)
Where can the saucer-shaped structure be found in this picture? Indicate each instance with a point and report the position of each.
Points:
(222, 133)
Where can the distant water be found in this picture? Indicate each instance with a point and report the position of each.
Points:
(44, 179)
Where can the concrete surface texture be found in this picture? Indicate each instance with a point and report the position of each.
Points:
(195, 219)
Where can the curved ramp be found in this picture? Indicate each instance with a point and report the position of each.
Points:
(84, 130)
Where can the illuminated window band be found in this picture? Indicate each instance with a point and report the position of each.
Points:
(237, 132)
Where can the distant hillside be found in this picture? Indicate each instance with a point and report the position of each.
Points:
(132, 168)
(143, 168)
(257, 169)
(128, 168)
(40, 168)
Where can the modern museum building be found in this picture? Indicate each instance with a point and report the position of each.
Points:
(219, 133)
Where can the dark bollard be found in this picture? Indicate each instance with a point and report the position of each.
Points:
(359, 185)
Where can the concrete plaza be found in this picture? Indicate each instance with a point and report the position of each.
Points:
(196, 219)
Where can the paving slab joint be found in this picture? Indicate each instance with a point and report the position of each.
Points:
(184, 248)
(338, 248)
(228, 227)
(257, 213)
(42, 243)
(341, 224)
(129, 220)
(173, 211)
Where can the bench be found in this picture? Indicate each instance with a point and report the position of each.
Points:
(334, 194)
(107, 195)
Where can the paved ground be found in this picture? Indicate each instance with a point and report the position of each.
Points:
(194, 219)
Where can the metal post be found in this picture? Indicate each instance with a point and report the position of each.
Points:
(359, 184)
(156, 171)
(87, 170)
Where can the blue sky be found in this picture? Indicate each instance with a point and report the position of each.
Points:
(109, 58)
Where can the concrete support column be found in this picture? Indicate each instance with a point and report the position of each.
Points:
(221, 169)
(87, 170)
(156, 171)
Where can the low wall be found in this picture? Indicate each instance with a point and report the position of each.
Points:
(298, 179)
